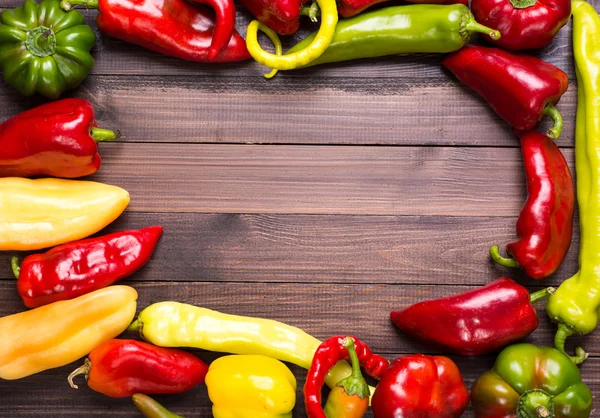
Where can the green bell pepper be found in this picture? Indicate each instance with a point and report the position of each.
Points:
(44, 49)
(531, 382)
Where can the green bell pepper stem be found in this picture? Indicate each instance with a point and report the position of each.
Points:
(552, 112)
(313, 12)
(150, 408)
(535, 403)
(70, 4)
(561, 336)
(542, 294)
(103, 135)
(503, 261)
(14, 263)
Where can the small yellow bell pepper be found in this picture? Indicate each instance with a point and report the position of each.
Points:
(60, 333)
(46, 212)
(250, 386)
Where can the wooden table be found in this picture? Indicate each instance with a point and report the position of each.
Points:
(323, 198)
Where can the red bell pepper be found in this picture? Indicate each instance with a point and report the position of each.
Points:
(56, 139)
(122, 368)
(283, 16)
(419, 386)
(80, 267)
(349, 8)
(177, 28)
(476, 322)
(520, 88)
(545, 225)
(524, 24)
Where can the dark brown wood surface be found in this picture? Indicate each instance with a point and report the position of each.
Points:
(323, 198)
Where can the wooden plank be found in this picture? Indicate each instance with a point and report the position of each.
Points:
(326, 249)
(318, 180)
(393, 111)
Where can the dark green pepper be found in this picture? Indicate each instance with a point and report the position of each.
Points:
(422, 28)
(44, 49)
(531, 382)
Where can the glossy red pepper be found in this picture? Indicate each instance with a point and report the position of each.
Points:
(283, 16)
(520, 88)
(524, 24)
(328, 354)
(122, 368)
(419, 386)
(56, 139)
(177, 28)
(349, 8)
(545, 225)
(476, 322)
(80, 267)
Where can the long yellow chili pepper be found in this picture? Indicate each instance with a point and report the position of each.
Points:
(47, 212)
(60, 333)
(329, 19)
(172, 324)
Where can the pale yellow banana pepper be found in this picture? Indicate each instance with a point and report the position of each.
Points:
(250, 386)
(60, 333)
(46, 212)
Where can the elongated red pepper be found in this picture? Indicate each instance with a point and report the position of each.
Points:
(524, 24)
(80, 267)
(349, 8)
(177, 28)
(520, 88)
(545, 225)
(328, 354)
(476, 322)
(56, 139)
(122, 368)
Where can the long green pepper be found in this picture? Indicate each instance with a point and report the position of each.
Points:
(422, 28)
(576, 304)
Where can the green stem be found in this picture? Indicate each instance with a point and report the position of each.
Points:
(503, 261)
(150, 408)
(474, 26)
(103, 135)
(348, 344)
(84, 369)
(313, 12)
(523, 4)
(535, 403)
(552, 112)
(14, 263)
(542, 294)
(354, 384)
(560, 338)
(135, 326)
(71, 4)
(41, 42)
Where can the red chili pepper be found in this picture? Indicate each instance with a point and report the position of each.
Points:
(420, 386)
(283, 16)
(349, 8)
(545, 225)
(121, 368)
(80, 267)
(476, 322)
(56, 139)
(329, 353)
(176, 28)
(524, 24)
(520, 88)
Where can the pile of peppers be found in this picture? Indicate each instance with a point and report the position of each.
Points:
(68, 277)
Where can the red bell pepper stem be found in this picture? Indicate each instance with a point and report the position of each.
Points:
(14, 263)
(541, 294)
(104, 135)
(561, 336)
(503, 261)
(552, 112)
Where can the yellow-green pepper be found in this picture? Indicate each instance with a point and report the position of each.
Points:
(251, 386)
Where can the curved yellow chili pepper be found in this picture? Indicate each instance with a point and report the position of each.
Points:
(60, 333)
(329, 19)
(46, 212)
(250, 386)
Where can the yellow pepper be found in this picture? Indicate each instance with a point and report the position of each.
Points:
(60, 333)
(46, 212)
(250, 386)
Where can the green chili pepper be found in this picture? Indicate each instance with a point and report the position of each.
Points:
(395, 30)
(575, 306)
(150, 408)
(44, 49)
(531, 382)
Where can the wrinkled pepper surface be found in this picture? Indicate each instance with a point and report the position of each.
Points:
(173, 324)
(56, 139)
(44, 49)
(80, 267)
(520, 88)
(419, 386)
(122, 368)
(524, 24)
(151, 408)
(576, 304)
(176, 28)
(45, 212)
(531, 382)
(545, 225)
(476, 322)
(60, 333)
(250, 386)
(395, 30)
(349, 398)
